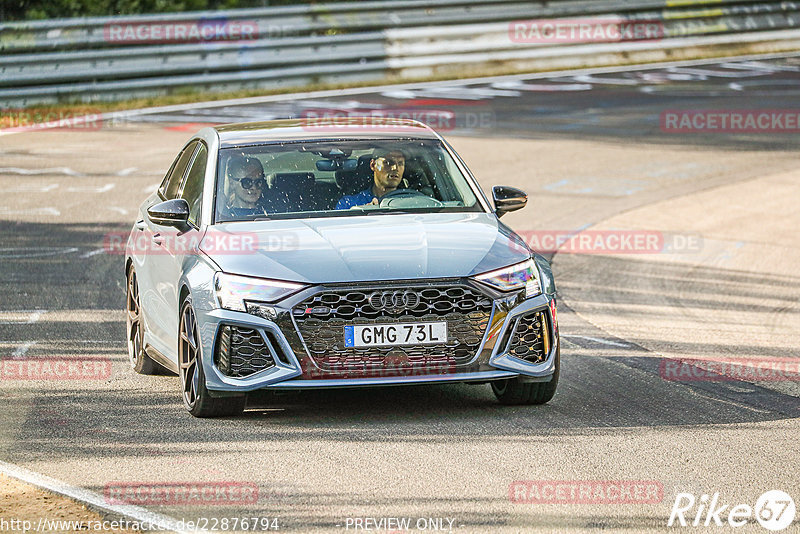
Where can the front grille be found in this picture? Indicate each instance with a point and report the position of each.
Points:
(241, 352)
(322, 317)
(529, 339)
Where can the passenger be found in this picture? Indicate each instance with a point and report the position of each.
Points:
(246, 184)
(387, 166)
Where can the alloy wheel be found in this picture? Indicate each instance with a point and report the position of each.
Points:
(135, 329)
(189, 351)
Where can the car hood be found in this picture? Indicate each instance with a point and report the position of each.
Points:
(367, 248)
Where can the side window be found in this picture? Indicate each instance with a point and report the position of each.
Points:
(173, 180)
(192, 190)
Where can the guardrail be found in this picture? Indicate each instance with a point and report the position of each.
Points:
(111, 58)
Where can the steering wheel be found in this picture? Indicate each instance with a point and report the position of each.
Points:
(398, 194)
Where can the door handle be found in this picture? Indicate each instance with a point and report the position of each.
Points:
(140, 225)
(158, 239)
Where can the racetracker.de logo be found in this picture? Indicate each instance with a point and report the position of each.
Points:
(395, 366)
(24, 120)
(610, 242)
(181, 493)
(589, 30)
(726, 369)
(55, 369)
(177, 31)
(586, 492)
(730, 121)
(372, 119)
(148, 242)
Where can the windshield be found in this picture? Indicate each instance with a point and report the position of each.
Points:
(339, 178)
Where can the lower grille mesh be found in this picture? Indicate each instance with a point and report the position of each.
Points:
(242, 352)
(528, 338)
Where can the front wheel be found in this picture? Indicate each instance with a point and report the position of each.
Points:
(515, 391)
(139, 360)
(196, 398)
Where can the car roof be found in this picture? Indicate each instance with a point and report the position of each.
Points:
(310, 129)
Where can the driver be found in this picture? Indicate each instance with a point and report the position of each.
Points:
(387, 165)
(246, 183)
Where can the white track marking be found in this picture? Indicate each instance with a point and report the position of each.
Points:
(457, 93)
(709, 73)
(123, 211)
(94, 252)
(33, 211)
(35, 316)
(333, 104)
(22, 350)
(444, 83)
(21, 316)
(26, 188)
(519, 85)
(91, 189)
(606, 81)
(94, 500)
(34, 252)
(127, 171)
(597, 340)
(150, 189)
(757, 65)
(33, 172)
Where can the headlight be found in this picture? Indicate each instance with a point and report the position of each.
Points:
(233, 290)
(517, 276)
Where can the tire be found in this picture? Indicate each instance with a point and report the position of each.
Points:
(516, 391)
(139, 360)
(196, 398)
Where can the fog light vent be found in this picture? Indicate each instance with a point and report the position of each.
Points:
(242, 352)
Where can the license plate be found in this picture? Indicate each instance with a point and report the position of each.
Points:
(381, 335)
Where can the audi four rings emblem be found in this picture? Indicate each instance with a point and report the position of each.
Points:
(394, 300)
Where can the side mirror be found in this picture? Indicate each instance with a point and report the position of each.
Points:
(173, 212)
(508, 199)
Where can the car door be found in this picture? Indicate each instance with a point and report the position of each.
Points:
(173, 261)
(158, 272)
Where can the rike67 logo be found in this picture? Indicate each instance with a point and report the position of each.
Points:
(774, 510)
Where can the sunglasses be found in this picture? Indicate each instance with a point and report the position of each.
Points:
(248, 183)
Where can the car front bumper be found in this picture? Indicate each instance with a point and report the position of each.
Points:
(295, 368)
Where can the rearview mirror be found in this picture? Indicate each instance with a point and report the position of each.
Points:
(508, 199)
(173, 212)
(337, 164)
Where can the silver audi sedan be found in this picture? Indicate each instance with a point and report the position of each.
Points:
(317, 253)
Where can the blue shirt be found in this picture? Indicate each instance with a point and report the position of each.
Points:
(359, 199)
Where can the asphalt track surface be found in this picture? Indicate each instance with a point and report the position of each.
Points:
(592, 154)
